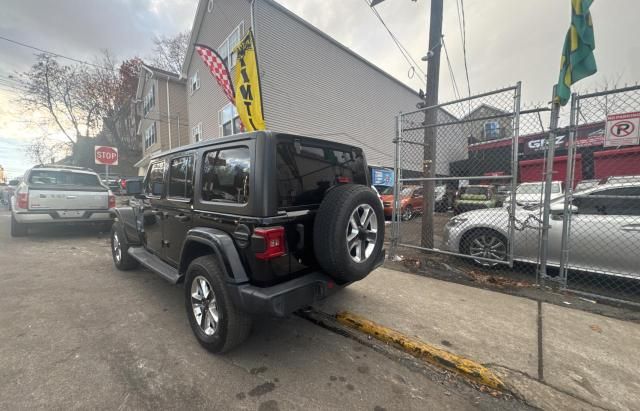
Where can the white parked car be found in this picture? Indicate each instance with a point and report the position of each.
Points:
(60, 195)
(533, 193)
(605, 232)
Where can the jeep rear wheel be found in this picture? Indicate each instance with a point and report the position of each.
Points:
(349, 232)
(216, 322)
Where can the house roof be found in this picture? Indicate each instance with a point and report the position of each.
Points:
(161, 71)
(201, 11)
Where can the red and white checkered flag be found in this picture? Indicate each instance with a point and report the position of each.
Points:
(219, 70)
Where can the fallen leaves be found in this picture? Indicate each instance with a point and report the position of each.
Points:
(496, 281)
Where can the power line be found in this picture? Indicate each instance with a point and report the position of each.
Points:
(464, 46)
(51, 53)
(453, 77)
(403, 50)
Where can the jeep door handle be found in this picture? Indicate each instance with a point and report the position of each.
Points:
(183, 218)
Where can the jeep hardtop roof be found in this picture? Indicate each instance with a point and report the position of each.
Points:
(248, 136)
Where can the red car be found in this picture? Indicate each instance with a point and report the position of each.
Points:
(411, 201)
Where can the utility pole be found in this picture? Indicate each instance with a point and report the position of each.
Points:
(430, 119)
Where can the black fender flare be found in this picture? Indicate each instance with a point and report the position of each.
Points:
(127, 217)
(224, 249)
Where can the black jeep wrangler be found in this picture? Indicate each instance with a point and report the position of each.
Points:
(254, 224)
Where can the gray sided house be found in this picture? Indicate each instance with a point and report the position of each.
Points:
(311, 84)
(161, 100)
(485, 123)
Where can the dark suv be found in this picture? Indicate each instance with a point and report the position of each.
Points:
(254, 224)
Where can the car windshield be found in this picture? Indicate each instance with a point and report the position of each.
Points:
(50, 177)
(384, 190)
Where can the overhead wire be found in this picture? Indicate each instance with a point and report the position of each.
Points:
(403, 50)
(51, 53)
(464, 46)
(456, 91)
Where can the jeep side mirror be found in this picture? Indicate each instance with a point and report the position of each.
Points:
(134, 187)
(157, 189)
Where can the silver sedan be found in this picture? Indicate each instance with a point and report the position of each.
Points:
(604, 232)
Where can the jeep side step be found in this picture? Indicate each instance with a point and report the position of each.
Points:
(155, 264)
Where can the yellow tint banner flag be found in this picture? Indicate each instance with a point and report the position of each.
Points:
(247, 85)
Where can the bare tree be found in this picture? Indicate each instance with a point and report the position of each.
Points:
(45, 151)
(169, 52)
(113, 90)
(59, 90)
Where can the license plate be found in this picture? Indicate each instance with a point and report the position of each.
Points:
(70, 214)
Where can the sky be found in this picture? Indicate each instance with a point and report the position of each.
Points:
(507, 41)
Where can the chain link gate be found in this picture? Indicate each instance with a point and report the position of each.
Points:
(439, 174)
(601, 213)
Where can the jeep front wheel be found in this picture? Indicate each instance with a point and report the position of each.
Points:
(349, 232)
(217, 324)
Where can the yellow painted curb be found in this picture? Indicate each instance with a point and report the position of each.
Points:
(420, 350)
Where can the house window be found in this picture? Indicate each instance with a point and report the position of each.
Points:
(491, 130)
(195, 82)
(196, 133)
(149, 100)
(228, 121)
(226, 48)
(150, 135)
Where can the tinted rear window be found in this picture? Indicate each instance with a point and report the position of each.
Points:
(306, 171)
(62, 178)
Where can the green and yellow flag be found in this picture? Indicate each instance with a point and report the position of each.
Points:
(247, 85)
(577, 60)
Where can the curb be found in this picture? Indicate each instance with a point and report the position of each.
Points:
(441, 358)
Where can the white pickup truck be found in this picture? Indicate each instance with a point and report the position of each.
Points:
(60, 195)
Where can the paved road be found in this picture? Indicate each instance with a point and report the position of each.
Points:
(76, 333)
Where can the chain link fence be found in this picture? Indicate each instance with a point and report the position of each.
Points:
(601, 211)
(469, 192)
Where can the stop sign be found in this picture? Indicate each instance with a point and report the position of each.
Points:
(106, 155)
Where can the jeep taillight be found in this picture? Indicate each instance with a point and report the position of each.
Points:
(270, 242)
(112, 200)
(22, 200)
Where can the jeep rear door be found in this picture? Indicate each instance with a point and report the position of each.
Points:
(306, 169)
(178, 207)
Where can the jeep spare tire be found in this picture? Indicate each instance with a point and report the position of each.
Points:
(348, 232)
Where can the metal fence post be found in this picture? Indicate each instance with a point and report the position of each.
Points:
(568, 196)
(551, 149)
(395, 222)
(514, 169)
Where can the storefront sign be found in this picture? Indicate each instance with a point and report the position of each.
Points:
(540, 143)
(382, 177)
(622, 130)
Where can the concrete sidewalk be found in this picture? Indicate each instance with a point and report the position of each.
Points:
(589, 361)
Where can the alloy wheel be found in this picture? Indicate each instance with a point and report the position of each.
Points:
(204, 305)
(362, 233)
(488, 246)
(117, 248)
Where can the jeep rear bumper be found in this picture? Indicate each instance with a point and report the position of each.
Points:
(282, 299)
(285, 298)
